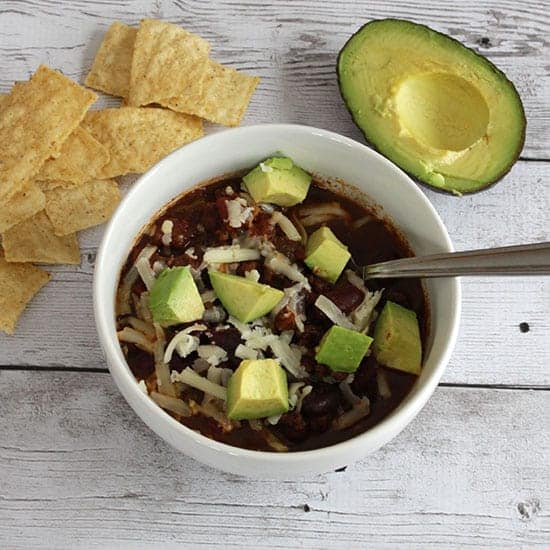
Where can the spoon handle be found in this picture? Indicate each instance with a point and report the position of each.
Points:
(525, 259)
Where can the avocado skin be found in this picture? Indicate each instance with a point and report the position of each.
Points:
(494, 69)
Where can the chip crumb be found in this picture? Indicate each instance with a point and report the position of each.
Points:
(18, 284)
(83, 206)
(34, 240)
(166, 60)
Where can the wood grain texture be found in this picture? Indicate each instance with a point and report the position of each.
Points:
(58, 327)
(80, 470)
(291, 44)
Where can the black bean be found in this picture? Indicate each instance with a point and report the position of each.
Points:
(323, 400)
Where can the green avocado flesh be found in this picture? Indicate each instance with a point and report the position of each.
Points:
(244, 299)
(342, 350)
(257, 389)
(174, 298)
(436, 108)
(279, 181)
(397, 341)
(326, 256)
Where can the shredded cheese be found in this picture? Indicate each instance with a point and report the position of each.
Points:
(246, 352)
(281, 264)
(238, 212)
(183, 342)
(214, 314)
(132, 336)
(166, 228)
(363, 315)
(287, 227)
(334, 313)
(289, 356)
(212, 353)
(191, 253)
(230, 254)
(253, 275)
(172, 404)
(190, 377)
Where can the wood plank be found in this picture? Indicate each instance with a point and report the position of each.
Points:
(79, 469)
(292, 45)
(58, 328)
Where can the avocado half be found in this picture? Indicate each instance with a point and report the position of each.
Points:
(439, 110)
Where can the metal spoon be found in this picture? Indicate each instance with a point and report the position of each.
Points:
(525, 259)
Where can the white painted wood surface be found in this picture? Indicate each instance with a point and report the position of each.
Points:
(78, 469)
(86, 472)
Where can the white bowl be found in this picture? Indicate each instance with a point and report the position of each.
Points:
(324, 153)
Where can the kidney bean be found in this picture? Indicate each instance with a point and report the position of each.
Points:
(346, 296)
(285, 320)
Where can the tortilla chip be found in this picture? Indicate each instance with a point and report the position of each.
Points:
(166, 60)
(111, 68)
(3, 99)
(137, 138)
(18, 284)
(81, 158)
(224, 98)
(34, 240)
(48, 185)
(35, 120)
(24, 204)
(71, 210)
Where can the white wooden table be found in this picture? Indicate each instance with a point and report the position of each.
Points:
(78, 469)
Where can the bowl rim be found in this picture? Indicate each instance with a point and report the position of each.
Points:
(120, 371)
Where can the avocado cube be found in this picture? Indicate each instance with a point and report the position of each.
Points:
(342, 350)
(244, 299)
(257, 389)
(279, 181)
(326, 256)
(174, 298)
(397, 341)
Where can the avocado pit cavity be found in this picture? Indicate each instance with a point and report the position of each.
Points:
(441, 111)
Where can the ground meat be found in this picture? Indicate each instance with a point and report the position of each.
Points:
(293, 426)
(221, 205)
(181, 233)
(346, 296)
(323, 400)
(261, 225)
(269, 277)
(210, 219)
